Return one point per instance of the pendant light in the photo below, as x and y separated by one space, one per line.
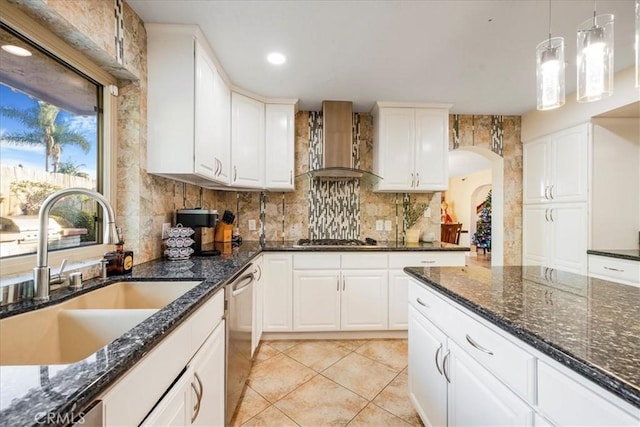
550 71
595 57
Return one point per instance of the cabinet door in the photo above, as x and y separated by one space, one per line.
536 235
247 142
398 299
173 409
204 127
222 129
569 164
277 293
207 383
535 167
477 398
316 300
396 150
431 150
569 237
365 300
258 295
427 385
279 146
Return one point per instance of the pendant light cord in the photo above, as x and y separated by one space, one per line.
594 13
549 23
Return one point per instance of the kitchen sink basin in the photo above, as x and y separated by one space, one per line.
73 330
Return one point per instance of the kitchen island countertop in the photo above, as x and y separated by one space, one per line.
591 326
629 254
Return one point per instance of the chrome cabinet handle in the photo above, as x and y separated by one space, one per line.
613 269
421 302
338 284
551 215
413 180
551 192
344 283
417 179
444 366
290 177
199 394
546 214
220 167
437 353
427 261
546 192
259 271
235 173
478 346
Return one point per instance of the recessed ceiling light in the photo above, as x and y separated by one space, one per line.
15 50
276 58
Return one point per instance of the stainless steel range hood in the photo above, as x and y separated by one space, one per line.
337 143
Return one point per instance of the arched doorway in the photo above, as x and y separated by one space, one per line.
497 185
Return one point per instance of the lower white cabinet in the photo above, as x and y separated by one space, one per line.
316 300
398 297
180 382
277 292
618 270
364 300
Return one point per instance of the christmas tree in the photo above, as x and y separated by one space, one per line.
482 236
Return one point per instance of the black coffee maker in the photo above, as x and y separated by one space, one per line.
198 219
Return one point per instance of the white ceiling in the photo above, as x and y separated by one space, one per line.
478 55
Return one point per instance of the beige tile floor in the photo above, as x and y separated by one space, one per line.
328 383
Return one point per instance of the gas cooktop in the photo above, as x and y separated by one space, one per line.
305 243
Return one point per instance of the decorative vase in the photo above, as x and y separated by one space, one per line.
413 236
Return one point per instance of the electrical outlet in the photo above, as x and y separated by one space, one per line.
427 212
379 225
252 225
165 229
387 225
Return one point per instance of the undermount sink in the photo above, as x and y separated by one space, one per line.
73 330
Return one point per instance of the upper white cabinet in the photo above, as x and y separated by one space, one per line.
279 146
247 142
411 147
188 113
556 167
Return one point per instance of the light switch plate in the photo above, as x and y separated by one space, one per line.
252 225
379 225
387 225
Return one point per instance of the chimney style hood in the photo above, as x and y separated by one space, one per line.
337 143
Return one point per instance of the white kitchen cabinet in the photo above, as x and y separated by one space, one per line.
207 390
618 270
427 387
555 167
411 147
477 398
398 297
277 292
316 300
247 142
555 235
258 303
187 118
364 300
279 146
173 410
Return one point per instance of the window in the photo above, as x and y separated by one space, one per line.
50 138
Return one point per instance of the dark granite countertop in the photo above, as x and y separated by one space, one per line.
393 246
630 254
587 324
28 392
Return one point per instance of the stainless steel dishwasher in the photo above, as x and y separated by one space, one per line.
239 315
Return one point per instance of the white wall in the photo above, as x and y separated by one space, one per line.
615 184
459 196
538 123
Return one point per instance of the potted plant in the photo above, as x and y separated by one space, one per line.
412 212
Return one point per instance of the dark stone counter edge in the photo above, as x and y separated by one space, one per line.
614 255
595 373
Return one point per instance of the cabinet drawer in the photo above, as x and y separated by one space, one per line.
614 269
507 361
364 260
425 259
205 319
428 303
316 261
567 401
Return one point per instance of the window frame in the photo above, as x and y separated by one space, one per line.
32 30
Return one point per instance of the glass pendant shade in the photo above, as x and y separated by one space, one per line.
595 58
550 73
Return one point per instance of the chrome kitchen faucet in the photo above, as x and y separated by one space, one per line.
42 272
